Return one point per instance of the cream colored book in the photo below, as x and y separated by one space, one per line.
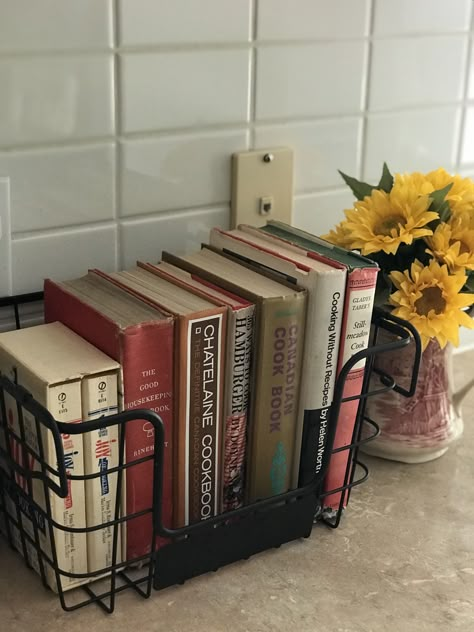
101 453
50 362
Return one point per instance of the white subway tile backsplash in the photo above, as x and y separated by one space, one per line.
184 89
320 212
467 154
311 19
175 172
418 140
55 98
401 17
5 238
55 25
180 233
320 149
406 71
61 256
151 22
309 80
118 118
48 186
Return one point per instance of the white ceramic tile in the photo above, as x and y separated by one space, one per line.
55 24
61 256
407 141
320 212
320 149
184 89
470 94
5 233
55 98
60 187
467 155
309 80
152 22
420 16
406 71
311 19
179 233
161 174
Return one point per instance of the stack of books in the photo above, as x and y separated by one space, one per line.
237 347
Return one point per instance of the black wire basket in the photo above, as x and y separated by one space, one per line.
191 550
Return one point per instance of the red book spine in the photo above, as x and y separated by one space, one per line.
354 337
145 352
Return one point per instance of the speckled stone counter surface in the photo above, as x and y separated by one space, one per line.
401 561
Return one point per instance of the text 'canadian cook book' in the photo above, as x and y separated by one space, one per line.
325 284
280 319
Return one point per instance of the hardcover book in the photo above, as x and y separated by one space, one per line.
199 365
240 328
280 320
325 283
141 338
359 301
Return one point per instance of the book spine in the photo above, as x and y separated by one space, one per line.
355 337
64 403
322 340
279 349
201 437
239 354
101 453
145 352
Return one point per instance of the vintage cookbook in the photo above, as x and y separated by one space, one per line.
101 454
325 284
240 329
141 338
199 373
280 320
51 362
359 301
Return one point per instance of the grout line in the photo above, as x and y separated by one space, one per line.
142 218
362 153
210 46
465 100
253 74
118 126
62 230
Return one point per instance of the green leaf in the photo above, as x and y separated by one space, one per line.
438 202
358 188
469 286
386 181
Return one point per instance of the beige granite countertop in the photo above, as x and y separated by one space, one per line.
401 561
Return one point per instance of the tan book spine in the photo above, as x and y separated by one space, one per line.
101 453
274 405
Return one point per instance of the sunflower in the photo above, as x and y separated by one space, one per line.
340 236
453 243
460 196
383 221
429 297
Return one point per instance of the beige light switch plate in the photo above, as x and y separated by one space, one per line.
262 186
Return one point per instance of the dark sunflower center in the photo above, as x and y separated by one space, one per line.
463 248
385 226
431 298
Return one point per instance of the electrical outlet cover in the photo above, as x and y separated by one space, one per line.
264 173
